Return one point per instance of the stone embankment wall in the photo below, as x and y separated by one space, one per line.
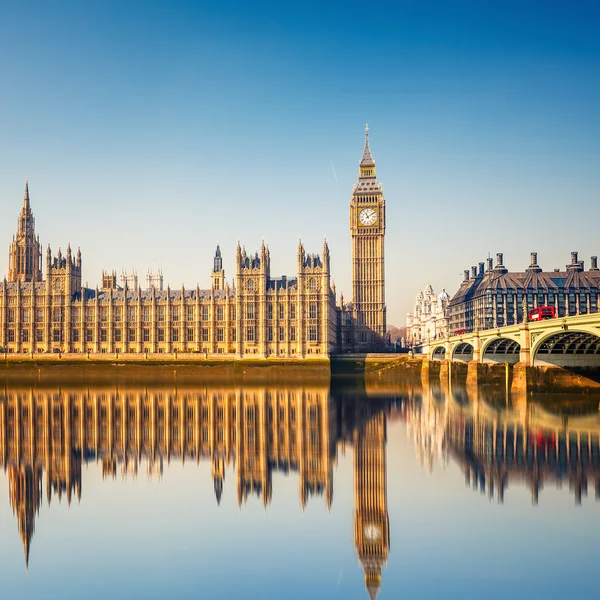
158 368
517 378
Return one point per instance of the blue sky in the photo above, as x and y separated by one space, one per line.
152 131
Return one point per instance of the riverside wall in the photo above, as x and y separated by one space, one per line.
518 378
155 368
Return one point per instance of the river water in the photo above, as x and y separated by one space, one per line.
298 490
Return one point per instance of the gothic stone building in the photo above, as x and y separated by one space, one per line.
257 316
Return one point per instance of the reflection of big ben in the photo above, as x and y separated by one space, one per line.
367 225
371 523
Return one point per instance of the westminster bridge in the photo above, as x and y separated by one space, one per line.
562 342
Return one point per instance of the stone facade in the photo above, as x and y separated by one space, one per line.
491 296
255 316
362 322
428 321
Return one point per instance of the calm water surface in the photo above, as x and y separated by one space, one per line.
297 491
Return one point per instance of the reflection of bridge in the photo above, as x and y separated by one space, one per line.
524 444
568 341
257 430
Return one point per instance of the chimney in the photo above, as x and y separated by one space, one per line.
533 265
490 264
481 265
500 268
575 264
474 272
594 261
466 275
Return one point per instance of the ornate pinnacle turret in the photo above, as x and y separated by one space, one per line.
26 204
218 261
367 159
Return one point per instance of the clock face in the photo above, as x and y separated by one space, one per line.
367 216
372 532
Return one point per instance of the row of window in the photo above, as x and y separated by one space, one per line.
58 313
161 335
251 413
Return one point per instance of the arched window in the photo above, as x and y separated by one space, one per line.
250 286
313 284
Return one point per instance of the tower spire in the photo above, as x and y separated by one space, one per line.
26 204
25 256
367 160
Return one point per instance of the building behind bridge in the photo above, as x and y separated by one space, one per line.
429 320
492 296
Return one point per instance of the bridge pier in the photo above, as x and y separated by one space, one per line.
476 347
445 370
473 372
430 368
493 373
519 379
525 342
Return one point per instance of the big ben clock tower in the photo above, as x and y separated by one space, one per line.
367 226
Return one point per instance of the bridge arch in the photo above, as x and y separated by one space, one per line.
567 348
501 350
439 353
463 352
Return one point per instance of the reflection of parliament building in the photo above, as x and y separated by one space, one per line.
524 445
256 316
45 433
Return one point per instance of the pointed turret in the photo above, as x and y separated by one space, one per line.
218 274
26 204
218 261
367 163
25 254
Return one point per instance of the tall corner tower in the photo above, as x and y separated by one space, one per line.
218 273
367 226
25 255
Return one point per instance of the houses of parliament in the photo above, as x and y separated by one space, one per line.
256 316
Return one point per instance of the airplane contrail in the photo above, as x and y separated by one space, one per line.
340 577
333 171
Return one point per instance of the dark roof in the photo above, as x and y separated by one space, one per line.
145 295
281 284
528 281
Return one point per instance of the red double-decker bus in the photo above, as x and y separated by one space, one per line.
541 312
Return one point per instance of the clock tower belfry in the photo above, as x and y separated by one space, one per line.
367 226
